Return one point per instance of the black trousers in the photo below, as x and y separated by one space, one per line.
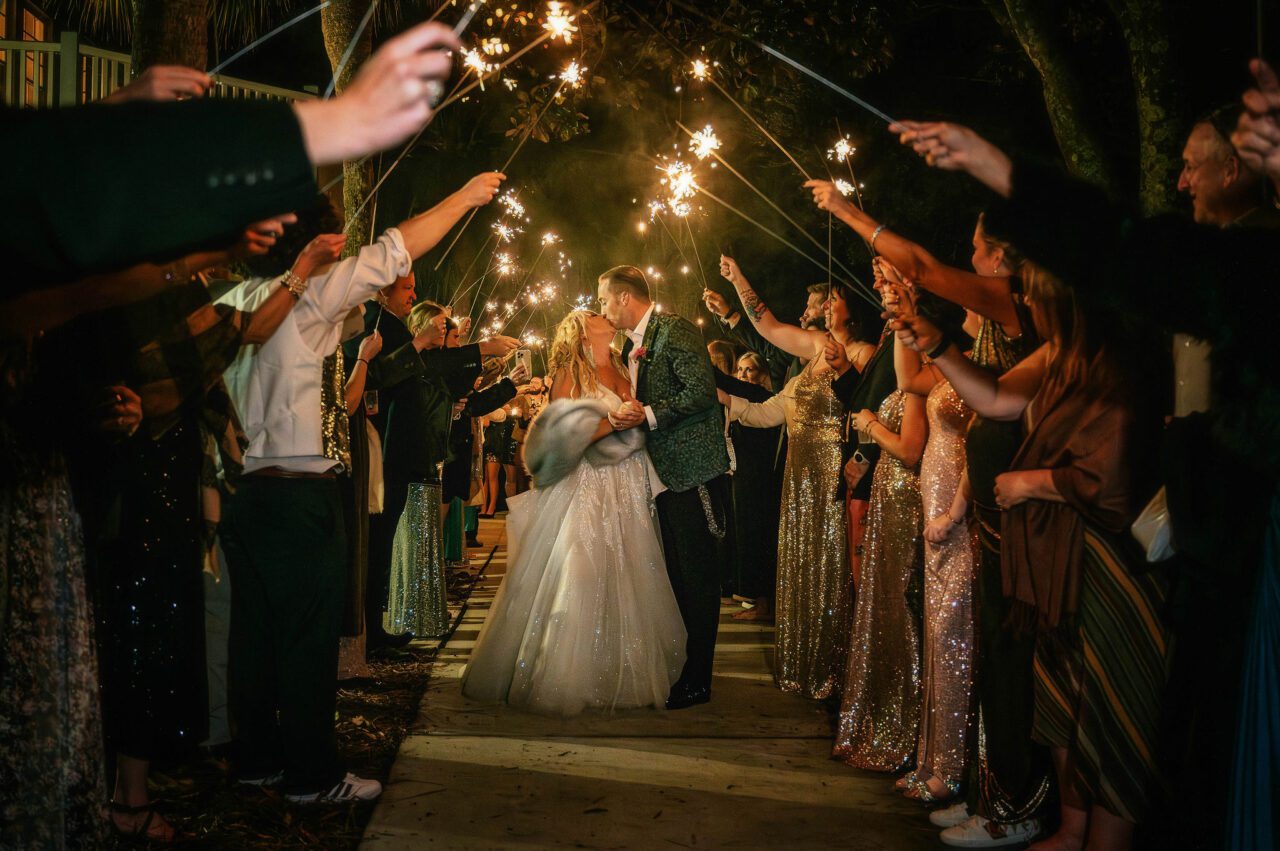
693 563
285 546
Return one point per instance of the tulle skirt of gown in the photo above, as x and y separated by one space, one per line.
585 618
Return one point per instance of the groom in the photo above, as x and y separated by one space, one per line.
674 385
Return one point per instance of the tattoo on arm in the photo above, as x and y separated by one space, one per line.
753 304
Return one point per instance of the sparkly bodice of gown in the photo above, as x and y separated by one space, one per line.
880 709
585 617
813 592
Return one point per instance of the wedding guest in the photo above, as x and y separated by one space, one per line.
782 366
756 488
283 534
949 571
406 381
813 589
1101 645
499 459
880 704
723 356
1008 781
1218 518
352 662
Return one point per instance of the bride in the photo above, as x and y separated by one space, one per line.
585 617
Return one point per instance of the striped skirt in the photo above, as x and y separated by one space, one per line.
1099 683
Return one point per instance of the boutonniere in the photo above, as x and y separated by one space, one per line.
640 353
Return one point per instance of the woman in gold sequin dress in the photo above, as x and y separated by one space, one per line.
949 572
813 598
880 711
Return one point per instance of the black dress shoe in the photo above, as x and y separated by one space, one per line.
474 543
387 641
682 697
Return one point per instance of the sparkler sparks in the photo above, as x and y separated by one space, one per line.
559 22
505 265
700 69
842 150
704 143
845 187
583 302
549 238
512 203
532 340
572 75
656 208
473 60
504 232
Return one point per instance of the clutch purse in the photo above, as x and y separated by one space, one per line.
1154 530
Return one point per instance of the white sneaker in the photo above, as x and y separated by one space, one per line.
350 788
977 832
950 816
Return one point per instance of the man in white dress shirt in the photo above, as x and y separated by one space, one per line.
283 532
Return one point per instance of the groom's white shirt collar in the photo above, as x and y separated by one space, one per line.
636 335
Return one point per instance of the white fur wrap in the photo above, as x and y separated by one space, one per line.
560 439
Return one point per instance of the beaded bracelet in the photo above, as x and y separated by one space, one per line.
294 284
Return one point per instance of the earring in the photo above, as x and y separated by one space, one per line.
996 270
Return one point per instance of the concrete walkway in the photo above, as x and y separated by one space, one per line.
751 769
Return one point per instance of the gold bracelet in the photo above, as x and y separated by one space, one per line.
294 284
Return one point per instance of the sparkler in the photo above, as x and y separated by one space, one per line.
549 238
700 69
572 75
704 143
511 202
559 22
860 290
504 232
722 161
845 187
275 32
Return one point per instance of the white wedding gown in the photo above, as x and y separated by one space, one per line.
585 617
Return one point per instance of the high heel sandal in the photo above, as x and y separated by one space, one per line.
164 832
906 781
919 791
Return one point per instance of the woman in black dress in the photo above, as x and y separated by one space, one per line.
499 457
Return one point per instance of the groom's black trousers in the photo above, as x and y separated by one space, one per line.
693 565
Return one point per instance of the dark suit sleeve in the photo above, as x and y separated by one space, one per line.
741 389
452 363
98 188
490 398
693 371
746 335
386 371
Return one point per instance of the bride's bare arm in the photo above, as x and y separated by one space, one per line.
563 387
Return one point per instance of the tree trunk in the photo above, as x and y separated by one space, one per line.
1031 22
338 22
170 32
1147 34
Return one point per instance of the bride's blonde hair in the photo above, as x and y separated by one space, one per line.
569 352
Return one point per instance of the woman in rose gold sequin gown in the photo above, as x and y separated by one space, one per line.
880 710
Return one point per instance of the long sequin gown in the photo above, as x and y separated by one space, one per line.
948 597
814 585
880 712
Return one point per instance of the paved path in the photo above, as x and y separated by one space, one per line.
748 770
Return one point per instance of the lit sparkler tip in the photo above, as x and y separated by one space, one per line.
559 22
704 143
700 69
549 238
844 186
572 75
842 150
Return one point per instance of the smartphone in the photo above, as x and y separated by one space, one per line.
525 358
371 403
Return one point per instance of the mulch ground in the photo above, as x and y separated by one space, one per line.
201 800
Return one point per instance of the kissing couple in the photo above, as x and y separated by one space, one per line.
607 602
